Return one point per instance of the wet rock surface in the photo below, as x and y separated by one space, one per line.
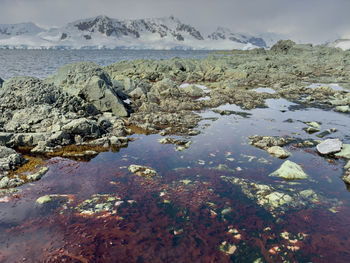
329 146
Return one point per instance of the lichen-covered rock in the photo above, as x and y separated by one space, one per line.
90 82
278 152
142 170
345 152
290 171
329 146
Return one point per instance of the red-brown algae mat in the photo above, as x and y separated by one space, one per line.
206 203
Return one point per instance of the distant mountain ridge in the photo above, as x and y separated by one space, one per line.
102 32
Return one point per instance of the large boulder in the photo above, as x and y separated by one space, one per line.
89 82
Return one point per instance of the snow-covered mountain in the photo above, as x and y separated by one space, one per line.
344 44
102 32
226 34
10 30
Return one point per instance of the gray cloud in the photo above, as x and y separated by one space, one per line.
303 20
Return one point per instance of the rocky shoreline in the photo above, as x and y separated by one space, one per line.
85 109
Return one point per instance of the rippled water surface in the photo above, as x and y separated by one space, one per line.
42 63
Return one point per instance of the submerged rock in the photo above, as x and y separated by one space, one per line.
276 199
43 199
142 170
278 152
329 146
290 171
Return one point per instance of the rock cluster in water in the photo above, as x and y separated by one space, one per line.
90 106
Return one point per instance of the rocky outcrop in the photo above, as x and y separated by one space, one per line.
91 83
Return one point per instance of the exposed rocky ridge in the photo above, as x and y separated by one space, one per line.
83 103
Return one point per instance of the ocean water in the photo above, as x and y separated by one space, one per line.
201 207
43 63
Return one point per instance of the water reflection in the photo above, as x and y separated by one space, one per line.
204 205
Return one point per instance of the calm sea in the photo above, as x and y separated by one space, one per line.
42 63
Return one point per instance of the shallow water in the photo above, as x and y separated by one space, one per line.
188 211
43 63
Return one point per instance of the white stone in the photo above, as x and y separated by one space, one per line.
329 146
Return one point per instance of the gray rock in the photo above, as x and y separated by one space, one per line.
290 171
329 146
88 81
83 127
9 160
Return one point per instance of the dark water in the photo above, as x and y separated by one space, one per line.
187 211
42 63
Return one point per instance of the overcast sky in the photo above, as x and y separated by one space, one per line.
303 20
